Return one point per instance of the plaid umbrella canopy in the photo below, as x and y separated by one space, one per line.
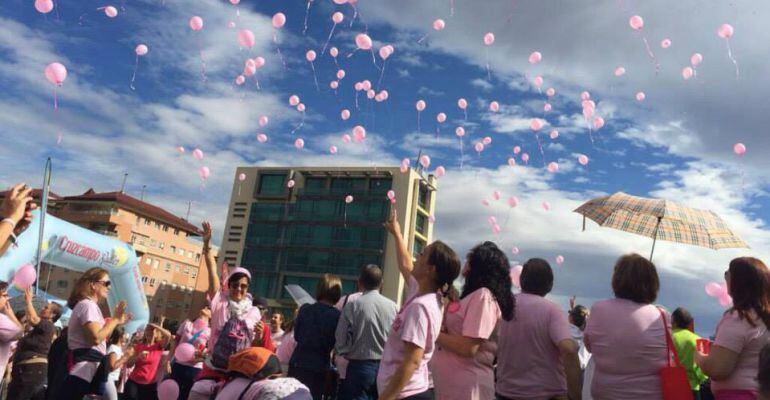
660 219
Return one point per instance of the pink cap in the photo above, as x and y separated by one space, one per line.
240 270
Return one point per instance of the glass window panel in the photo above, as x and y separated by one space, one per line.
315 185
271 184
379 185
421 224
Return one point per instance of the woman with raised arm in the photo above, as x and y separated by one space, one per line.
403 370
146 361
87 335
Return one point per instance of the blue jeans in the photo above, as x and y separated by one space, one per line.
360 380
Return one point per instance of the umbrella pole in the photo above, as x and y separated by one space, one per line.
655 238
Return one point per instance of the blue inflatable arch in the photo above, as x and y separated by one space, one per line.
70 246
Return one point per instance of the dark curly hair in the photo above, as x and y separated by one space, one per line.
489 268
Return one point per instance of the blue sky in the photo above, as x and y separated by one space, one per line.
677 144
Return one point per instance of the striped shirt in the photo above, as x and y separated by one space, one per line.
364 325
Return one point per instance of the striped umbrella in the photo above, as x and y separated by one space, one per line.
661 219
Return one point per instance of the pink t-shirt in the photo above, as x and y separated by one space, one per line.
220 314
529 365
419 323
737 335
464 378
186 332
85 311
9 332
628 344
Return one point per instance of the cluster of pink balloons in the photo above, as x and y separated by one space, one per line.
720 292
25 276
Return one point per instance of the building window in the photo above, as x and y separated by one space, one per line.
186 270
162 245
152 282
181 252
138 219
155 264
315 185
189 254
271 184
197 257
176 232
133 239
176 268
153 243
165 228
421 224
418 246
148 261
194 274
141 240
168 267
164 282
173 249
157 225
144 279
424 198
147 222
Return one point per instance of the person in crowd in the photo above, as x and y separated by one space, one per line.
685 343
10 328
276 328
403 372
733 359
536 357
16 214
29 376
87 335
197 334
146 361
627 335
462 365
233 317
339 361
255 374
264 333
117 358
361 334
288 344
578 318
314 332
763 375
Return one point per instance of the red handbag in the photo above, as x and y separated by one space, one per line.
673 377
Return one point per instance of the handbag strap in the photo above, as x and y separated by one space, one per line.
669 342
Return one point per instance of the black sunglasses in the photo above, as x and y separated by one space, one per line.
235 285
105 283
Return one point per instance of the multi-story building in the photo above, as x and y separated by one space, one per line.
291 225
173 270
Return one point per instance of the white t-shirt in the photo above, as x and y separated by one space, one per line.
114 375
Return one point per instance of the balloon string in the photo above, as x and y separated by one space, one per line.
540 147
489 71
374 60
278 49
301 124
357 100
307 12
133 77
239 189
334 25
461 153
422 39
651 54
335 63
382 74
59 134
451 8
465 114
730 54
418 121
203 61
507 216
438 127
256 82
315 78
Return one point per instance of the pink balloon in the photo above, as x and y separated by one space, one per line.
333 149
310 55
359 133
725 31
204 172
588 112
585 96
713 289
370 94
240 79
348 199
198 154
513 201
554 134
366 85
598 122
432 219
665 43
363 41
687 73
460 131
111 11
386 51
168 389
263 120
249 69
141 49
640 96
553 167
546 206
299 144
56 73
479 147
262 138
536 124
293 100
535 57
515 250
512 161
538 81
235 2
340 2
180 149
485 202
345 114
487 140
333 52
384 94
583 159
636 22
489 39
279 20
290 183
259 62
425 161
340 74
620 71
739 149
337 17
496 229
559 260
246 38
43 6
301 107
550 92
185 352
496 195
405 165
440 171
725 300
516 149
439 25
525 157
391 194
196 23
516 275
462 103
547 107
494 106
346 138
242 177
420 105
25 276
440 117
696 59
231 25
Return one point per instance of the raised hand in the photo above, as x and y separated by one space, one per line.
15 203
206 232
392 225
120 313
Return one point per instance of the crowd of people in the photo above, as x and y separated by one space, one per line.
480 342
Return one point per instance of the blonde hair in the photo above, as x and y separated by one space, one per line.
82 287
329 288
